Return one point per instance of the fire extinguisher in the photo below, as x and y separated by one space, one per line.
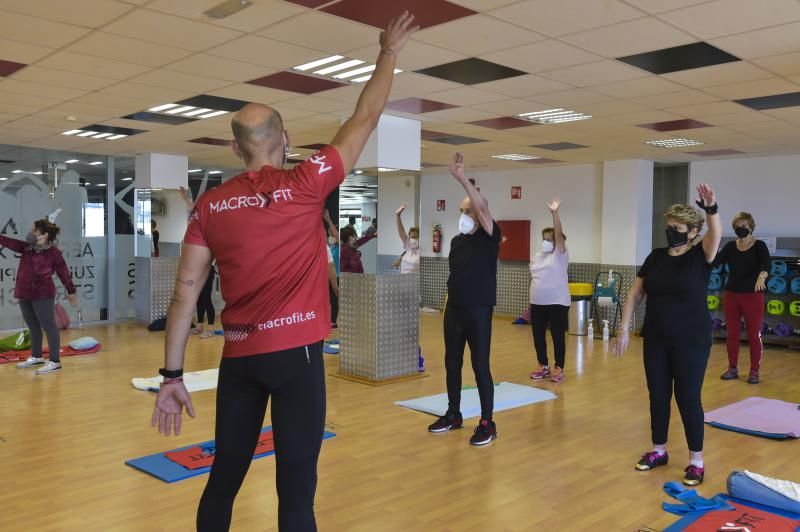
437 238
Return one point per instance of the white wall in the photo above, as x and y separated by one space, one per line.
627 233
580 189
393 191
172 227
766 187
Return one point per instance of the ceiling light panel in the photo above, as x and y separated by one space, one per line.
553 116
674 143
515 157
339 68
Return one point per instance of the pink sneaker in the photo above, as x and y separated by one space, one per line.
558 375
542 373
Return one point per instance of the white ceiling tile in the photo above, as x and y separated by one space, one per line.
659 6
86 113
410 84
18 27
631 37
465 96
266 52
676 99
522 86
180 81
762 43
87 13
117 103
570 97
257 16
349 94
73 80
744 117
21 52
609 109
460 114
486 34
783 65
317 104
560 17
708 109
510 107
483 5
313 30
638 87
87 64
415 56
725 74
646 117
254 93
52 90
149 95
543 55
599 73
120 48
753 89
726 17
171 31
219 68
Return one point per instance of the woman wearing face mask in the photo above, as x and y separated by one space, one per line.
471 290
333 249
350 257
748 260
36 291
550 298
409 260
677 327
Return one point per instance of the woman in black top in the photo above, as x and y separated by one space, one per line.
677 327
748 261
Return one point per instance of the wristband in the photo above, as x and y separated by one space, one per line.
170 373
713 209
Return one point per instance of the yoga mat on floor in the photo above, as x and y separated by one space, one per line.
506 396
745 514
194 381
331 349
19 356
757 416
161 467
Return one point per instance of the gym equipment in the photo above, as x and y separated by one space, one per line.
161 467
765 329
690 500
506 396
715 282
718 325
796 285
713 302
783 330
776 307
194 381
794 309
16 342
768 418
744 513
777 285
779 268
607 293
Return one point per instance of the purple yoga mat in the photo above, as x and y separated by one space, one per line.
759 414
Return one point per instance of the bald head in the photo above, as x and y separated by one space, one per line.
257 129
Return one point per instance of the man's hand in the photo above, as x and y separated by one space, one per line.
456 167
170 401
395 37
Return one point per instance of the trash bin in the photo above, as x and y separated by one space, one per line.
580 308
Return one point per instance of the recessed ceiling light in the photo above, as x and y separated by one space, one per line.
38 173
72 132
179 110
197 112
163 107
102 136
101 184
355 72
215 172
358 172
71 161
195 170
115 137
16 171
156 189
674 143
127 179
515 157
318 62
340 63
3 179
340 66
553 116
293 155
95 163
87 133
388 169
215 113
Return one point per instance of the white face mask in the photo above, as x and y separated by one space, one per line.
465 224
413 243
331 241
547 246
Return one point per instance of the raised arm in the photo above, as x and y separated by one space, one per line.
478 201
708 202
186 195
635 298
401 231
17 246
352 136
558 232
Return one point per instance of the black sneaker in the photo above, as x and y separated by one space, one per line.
447 422
485 432
694 475
652 460
753 378
730 374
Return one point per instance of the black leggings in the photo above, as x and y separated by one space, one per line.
473 325
41 314
556 317
295 380
334 303
684 368
204 304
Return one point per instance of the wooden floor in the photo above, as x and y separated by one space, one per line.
565 464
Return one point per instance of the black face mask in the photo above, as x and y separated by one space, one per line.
741 232
675 238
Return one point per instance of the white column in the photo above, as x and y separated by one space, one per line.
627 231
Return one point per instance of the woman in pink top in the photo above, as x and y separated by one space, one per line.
550 298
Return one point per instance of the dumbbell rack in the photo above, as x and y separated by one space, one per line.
770 321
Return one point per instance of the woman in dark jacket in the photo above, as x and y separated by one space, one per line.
36 292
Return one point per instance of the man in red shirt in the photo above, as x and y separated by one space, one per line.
263 229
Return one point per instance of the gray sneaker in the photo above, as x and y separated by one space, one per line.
30 362
49 367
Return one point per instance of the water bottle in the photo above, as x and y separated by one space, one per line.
590 330
606 332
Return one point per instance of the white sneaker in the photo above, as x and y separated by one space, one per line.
49 367
31 361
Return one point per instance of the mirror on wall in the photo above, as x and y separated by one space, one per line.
358 208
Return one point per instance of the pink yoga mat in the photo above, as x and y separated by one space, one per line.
759 414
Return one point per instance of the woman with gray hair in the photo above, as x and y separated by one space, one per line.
677 327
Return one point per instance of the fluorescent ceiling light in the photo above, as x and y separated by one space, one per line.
319 62
340 66
95 163
355 72
156 189
115 137
195 170
515 157
88 133
358 172
215 172
101 184
163 107
215 113
38 173
102 135
127 179
388 169
674 143
293 155
16 171
553 116
71 161
72 132
197 112
180 110
3 179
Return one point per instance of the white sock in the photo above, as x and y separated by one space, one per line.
660 449
696 459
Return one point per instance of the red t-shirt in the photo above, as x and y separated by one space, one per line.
264 230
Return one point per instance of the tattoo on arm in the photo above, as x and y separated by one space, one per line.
188 282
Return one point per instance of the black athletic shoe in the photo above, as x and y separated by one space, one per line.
694 475
485 432
730 374
753 378
447 422
652 460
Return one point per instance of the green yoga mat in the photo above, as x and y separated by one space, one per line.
19 341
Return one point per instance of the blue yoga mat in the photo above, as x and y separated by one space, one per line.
770 435
165 469
506 396
690 518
